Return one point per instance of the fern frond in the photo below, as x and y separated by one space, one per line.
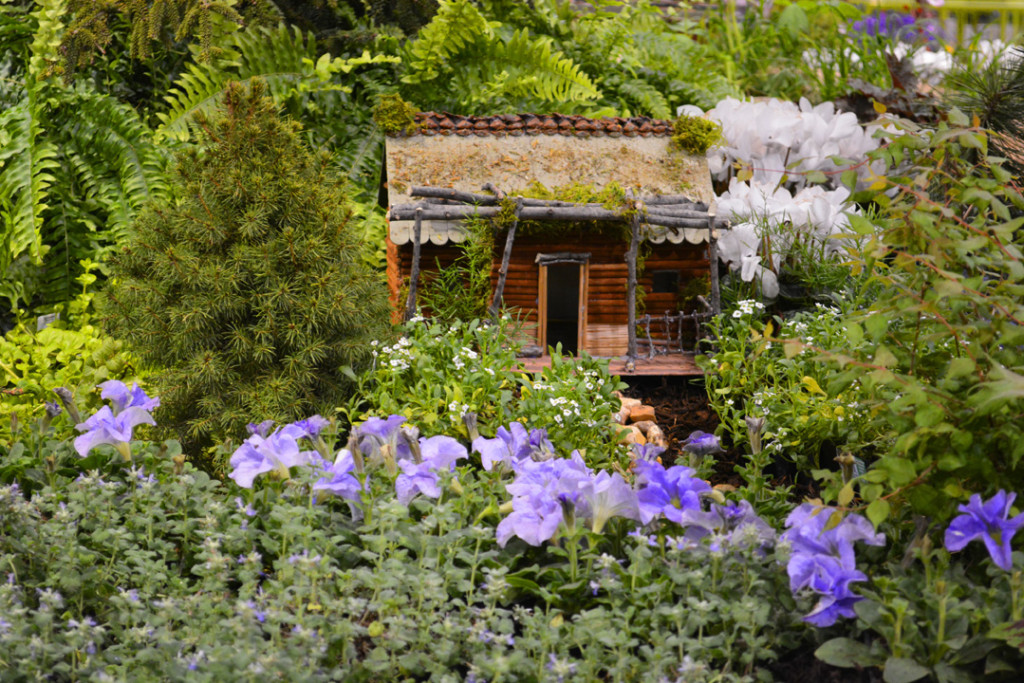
26 165
457 24
545 73
282 57
647 98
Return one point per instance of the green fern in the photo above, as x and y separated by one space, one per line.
646 98
283 58
457 25
487 68
26 165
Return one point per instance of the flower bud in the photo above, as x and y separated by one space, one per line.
470 420
69 403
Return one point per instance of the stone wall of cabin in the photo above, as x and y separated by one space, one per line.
606 332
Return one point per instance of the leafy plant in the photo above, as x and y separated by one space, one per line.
939 345
462 290
75 166
489 71
248 290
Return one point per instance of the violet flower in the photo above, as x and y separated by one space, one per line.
379 441
734 523
989 521
836 599
701 444
338 479
541 493
104 427
312 426
667 491
122 398
813 547
647 452
275 453
512 446
604 496
262 429
438 453
823 560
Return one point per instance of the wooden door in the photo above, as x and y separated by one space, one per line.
562 306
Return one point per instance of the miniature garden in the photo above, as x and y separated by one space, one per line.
229 452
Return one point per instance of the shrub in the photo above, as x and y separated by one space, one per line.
248 288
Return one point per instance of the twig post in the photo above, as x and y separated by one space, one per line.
499 291
414 274
716 301
631 255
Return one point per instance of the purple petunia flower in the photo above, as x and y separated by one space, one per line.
823 559
990 522
604 496
647 452
258 455
262 429
312 426
701 443
541 491
667 491
339 479
733 523
836 599
812 544
438 453
104 427
123 398
512 446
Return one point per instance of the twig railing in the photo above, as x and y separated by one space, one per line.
669 330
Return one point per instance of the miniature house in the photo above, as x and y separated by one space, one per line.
577 287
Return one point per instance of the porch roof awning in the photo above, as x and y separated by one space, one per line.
671 218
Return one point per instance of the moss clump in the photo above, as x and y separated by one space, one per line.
394 115
694 134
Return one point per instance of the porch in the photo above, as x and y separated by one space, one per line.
665 365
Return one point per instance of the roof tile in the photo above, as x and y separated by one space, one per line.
445 123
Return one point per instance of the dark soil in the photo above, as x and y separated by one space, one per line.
681 407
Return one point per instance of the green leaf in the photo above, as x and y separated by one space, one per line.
902 670
854 333
929 415
958 367
878 511
958 118
845 494
816 177
846 653
876 324
901 471
794 20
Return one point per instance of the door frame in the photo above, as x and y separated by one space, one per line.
562 258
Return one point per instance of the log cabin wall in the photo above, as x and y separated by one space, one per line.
605 330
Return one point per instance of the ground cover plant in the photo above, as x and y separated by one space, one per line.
439 514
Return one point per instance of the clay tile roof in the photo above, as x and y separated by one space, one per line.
445 123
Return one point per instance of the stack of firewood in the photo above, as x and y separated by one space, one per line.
638 422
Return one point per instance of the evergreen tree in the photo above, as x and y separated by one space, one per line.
246 292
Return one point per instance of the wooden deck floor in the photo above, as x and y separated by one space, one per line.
675 365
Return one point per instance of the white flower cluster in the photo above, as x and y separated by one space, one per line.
780 141
779 138
747 307
456 411
397 357
463 358
812 213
